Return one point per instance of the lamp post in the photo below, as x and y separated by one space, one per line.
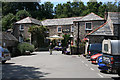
78 39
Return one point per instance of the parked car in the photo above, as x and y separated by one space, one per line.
101 66
5 55
94 49
94 58
111 49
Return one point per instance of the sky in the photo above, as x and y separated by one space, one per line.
55 2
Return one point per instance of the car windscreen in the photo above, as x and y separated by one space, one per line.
96 47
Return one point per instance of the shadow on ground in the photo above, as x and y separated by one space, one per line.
13 72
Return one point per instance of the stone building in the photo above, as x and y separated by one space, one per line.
21 27
60 26
87 24
109 30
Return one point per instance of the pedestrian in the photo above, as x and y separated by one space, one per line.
50 48
1 50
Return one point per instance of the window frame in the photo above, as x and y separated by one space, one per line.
72 28
86 27
20 39
58 29
20 27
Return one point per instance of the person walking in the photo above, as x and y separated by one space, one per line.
50 48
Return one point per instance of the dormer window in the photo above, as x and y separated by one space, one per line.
21 27
88 26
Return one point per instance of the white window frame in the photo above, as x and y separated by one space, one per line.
72 28
59 31
20 39
87 28
21 27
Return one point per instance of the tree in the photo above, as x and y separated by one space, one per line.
38 35
65 40
8 21
22 14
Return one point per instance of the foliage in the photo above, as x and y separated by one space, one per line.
22 14
8 21
38 34
22 47
46 11
65 40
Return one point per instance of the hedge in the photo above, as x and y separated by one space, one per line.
23 47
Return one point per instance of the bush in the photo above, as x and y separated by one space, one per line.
23 47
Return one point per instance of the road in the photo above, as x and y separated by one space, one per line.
42 65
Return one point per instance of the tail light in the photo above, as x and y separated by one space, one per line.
89 52
111 60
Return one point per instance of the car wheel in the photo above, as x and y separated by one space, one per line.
118 72
108 71
3 62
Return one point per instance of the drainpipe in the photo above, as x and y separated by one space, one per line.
78 39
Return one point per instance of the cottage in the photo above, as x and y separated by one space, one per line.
60 26
21 27
8 41
87 24
109 30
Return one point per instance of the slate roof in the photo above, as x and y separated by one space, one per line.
7 36
29 20
60 21
90 17
102 30
115 17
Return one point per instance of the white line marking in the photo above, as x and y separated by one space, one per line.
82 61
100 75
92 69
86 64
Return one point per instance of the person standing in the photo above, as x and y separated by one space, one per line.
50 48
1 50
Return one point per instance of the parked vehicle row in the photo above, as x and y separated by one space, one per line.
106 55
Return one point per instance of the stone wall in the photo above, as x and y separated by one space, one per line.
25 33
53 30
95 39
82 31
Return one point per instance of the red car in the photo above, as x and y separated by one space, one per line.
94 57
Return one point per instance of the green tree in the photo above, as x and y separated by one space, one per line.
38 35
8 21
22 14
65 40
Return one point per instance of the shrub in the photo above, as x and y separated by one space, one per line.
23 47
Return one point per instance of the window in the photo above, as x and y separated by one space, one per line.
21 27
72 28
20 39
59 29
88 26
106 47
